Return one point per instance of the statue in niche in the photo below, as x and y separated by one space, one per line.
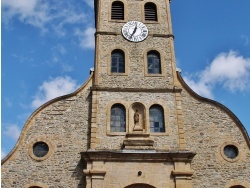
136 117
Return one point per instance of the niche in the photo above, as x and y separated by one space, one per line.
137 118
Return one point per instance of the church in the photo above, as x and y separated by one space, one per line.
135 123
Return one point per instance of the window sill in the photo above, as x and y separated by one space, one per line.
154 75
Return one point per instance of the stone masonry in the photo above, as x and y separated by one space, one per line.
85 153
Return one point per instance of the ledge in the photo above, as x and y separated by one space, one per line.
136 155
153 90
182 173
94 172
143 135
138 142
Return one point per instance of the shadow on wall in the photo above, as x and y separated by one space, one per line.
78 173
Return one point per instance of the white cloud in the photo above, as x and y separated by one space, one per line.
245 39
66 67
50 15
90 3
199 87
59 49
229 70
31 12
52 89
12 131
24 7
3 154
54 17
8 102
86 37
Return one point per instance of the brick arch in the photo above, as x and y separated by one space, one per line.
140 185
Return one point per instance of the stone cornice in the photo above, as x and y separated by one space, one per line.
153 90
137 155
119 33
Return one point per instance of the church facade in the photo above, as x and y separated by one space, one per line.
135 123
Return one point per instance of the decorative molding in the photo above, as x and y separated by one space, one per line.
155 90
137 155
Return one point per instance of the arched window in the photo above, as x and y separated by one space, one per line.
237 186
150 11
118 118
157 123
117 61
117 10
154 62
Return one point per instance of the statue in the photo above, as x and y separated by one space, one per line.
136 117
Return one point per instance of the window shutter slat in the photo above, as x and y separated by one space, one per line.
150 11
117 12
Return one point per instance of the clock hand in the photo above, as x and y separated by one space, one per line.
134 31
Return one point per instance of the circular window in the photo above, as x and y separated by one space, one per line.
231 151
40 149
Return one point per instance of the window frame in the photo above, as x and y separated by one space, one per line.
126 62
118 52
155 7
162 68
158 57
124 12
122 110
34 141
108 120
162 113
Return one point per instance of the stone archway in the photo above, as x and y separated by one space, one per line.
140 185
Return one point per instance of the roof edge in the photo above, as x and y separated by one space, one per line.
215 103
38 110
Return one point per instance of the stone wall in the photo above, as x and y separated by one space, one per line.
136 63
167 141
109 37
209 127
63 124
124 174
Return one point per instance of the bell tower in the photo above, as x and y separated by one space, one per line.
136 115
134 45
135 122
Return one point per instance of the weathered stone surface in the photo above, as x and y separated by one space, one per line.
83 152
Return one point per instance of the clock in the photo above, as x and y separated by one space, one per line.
135 31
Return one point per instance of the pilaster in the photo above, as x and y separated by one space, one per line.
181 131
94 129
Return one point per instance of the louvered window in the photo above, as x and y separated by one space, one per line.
117 12
150 12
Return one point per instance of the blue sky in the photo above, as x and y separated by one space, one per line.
48 49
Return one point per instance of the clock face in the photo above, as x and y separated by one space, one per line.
135 31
